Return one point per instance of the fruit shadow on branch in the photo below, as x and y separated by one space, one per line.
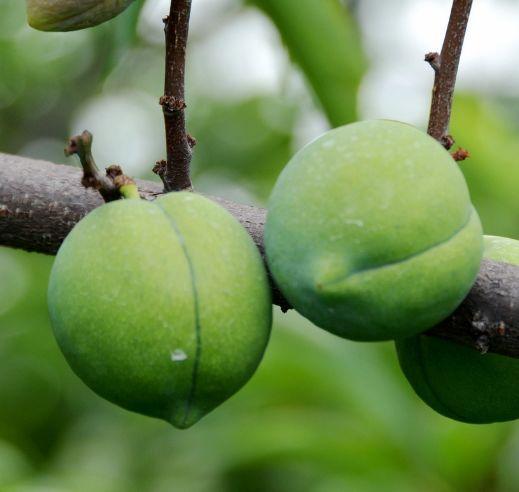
40 202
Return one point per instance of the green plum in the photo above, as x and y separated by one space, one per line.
71 15
161 307
457 381
502 249
371 233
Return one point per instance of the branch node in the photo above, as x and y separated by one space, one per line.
460 155
501 329
447 141
160 168
434 59
191 140
4 211
483 344
171 104
479 322
113 171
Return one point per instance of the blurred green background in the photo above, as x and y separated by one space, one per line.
264 77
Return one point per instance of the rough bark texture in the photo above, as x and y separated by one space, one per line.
40 202
488 319
446 66
175 173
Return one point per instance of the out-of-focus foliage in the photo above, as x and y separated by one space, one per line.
493 169
324 41
322 414
44 77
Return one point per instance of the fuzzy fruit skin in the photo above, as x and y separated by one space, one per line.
502 249
72 15
163 308
458 382
371 234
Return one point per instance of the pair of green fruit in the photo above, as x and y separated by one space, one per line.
372 236
164 308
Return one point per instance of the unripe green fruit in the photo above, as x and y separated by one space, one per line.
457 381
162 308
71 15
371 233
502 249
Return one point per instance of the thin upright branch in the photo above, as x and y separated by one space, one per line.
446 66
175 172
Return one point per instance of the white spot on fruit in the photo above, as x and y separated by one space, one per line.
178 355
356 222
329 144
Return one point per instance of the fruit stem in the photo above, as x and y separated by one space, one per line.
111 185
130 192
126 187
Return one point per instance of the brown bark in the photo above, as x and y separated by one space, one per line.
175 172
446 66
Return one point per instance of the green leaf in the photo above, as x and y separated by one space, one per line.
323 40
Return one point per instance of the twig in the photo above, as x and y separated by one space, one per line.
446 66
175 172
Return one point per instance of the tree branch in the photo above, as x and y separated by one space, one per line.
488 319
175 172
40 202
446 66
